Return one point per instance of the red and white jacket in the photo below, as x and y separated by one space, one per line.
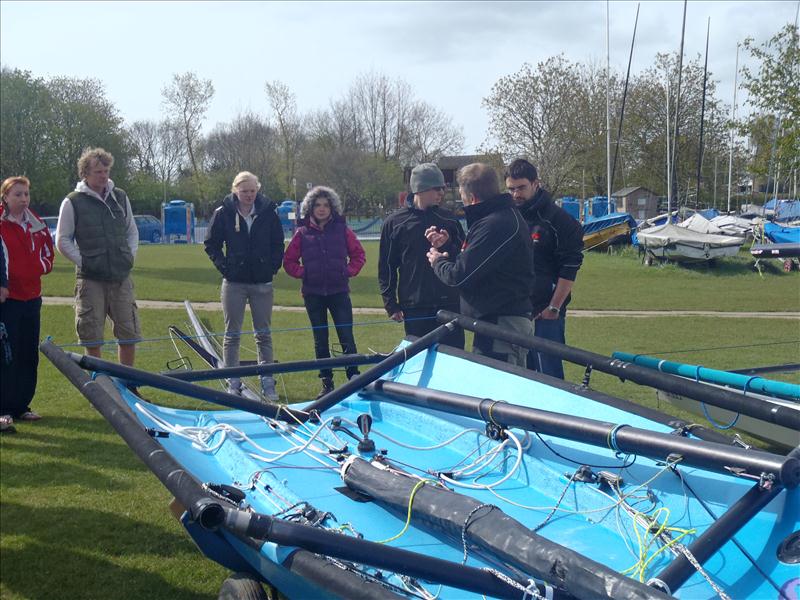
28 252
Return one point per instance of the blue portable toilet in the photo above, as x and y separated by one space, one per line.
287 213
573 207
179 221
597 206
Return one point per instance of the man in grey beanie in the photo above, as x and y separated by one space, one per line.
411 291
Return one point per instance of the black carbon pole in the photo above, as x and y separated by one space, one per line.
727 399
161 382
721 458
360 381
677 572
346 360
426 567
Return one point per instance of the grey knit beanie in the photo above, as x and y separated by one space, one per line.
425 177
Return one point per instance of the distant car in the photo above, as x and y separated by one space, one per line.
149 228
51 223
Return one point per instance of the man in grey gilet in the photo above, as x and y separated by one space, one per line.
97 232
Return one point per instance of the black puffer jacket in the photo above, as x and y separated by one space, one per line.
251 255
404 274
557 247
494 272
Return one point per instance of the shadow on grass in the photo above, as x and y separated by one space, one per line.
59 555
47 474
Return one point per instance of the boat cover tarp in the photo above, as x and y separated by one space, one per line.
782 235
730 223
787 210
709 213
668 234
698 222
598 223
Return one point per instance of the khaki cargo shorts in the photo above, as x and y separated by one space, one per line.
96 300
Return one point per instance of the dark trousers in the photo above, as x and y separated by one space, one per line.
419 321
341 310
546 363
18 377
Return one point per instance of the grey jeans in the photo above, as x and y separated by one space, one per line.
501 350
235 297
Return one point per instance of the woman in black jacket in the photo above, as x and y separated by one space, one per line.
249 230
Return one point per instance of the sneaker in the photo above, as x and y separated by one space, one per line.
7 424
235 387
29 415
268 388
327 387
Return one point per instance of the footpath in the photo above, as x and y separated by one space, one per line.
217 307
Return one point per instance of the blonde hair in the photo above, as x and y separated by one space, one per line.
7 184
91 156
241 178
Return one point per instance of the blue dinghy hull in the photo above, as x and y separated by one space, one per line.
620 517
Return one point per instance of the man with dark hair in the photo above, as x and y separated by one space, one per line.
494 271
557 256
411 292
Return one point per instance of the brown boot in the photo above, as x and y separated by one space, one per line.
327 387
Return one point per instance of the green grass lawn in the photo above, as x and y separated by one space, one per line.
606 281
81 517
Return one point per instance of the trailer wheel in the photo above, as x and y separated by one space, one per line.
243 586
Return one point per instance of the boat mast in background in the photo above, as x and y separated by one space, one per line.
702 117
678 110
733 121
669 171
622 111
608 108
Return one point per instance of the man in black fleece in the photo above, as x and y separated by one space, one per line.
494 271
411 292
557 256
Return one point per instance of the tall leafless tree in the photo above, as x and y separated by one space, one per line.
187 99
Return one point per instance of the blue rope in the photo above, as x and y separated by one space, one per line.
240 333
714 423
612 439
748 382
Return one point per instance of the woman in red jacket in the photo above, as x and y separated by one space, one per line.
28 254
325 254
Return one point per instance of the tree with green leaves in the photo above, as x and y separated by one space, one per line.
45 124
774 88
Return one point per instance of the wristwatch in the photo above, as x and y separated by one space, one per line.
554 309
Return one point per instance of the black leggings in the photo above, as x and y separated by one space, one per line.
341 310
21 319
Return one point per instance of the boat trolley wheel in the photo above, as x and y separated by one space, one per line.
243 586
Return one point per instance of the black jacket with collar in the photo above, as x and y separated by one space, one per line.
557 246
494 272
404 274
251 254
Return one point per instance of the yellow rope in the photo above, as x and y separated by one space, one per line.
640 567
408 517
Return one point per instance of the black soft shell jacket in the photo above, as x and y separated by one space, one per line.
494 272
251 255
404 274
557 247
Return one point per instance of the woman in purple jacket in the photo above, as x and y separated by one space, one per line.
325 254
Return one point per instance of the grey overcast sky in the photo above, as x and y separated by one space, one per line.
450 52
